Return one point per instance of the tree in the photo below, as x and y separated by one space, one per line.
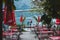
11 2
37 19
45 18
51 7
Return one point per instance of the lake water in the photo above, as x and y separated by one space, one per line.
23 5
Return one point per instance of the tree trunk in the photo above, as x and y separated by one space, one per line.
1 19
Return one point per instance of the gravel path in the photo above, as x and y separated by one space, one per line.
28 36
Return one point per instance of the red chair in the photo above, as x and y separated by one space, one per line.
45 29
4 34
7 34
58 32
54 37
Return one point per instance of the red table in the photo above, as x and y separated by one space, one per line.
58 32
7 33
14 30
46 32
44 29
55 38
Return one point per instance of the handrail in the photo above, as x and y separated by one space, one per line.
26 10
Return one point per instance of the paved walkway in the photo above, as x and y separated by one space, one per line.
28 36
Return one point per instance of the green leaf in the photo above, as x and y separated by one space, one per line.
16 0
14 7
3 1
35 18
